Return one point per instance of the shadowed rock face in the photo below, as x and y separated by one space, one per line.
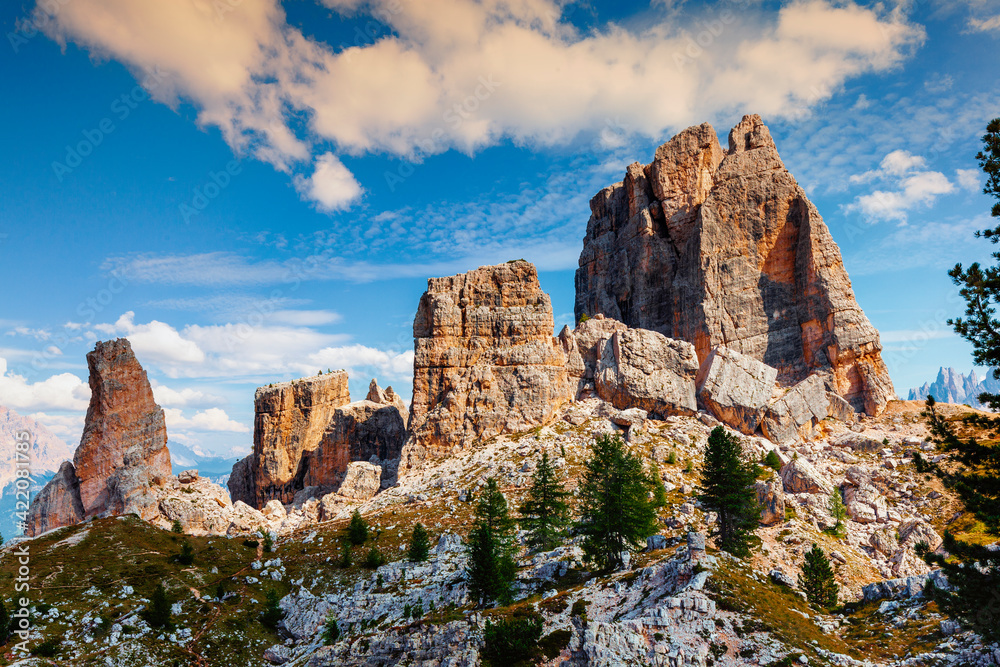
723 248
58 504
486 361
290 419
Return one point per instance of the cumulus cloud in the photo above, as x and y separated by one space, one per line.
64 391
185 397
155 341
969 179
68 427
212 419
288 344
989 24
911 186
332 187
463 74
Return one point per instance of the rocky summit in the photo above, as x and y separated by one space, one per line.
721 247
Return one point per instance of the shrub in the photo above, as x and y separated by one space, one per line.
672 458
250 544
272 610
268 542
345 560
47 648
772 461
357 530
511 640
176 527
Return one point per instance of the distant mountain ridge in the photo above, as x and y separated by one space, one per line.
954 387
48 452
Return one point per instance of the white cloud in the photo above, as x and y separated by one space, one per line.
212 419
465 74
969 179
913 187
989 24
254 351
64 391
331 185
186 397
68 427
155 341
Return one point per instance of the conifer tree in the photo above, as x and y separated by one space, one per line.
157 614
727 488
615 514
491 568
420 545
272 610
545 512
331 631
817 580
659 491
837 510
973 571
357 530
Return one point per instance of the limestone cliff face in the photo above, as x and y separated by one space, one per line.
289 420
122 457
486 360
723 248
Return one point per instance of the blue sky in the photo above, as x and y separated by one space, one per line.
253 190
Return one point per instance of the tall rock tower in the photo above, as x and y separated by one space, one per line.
722 247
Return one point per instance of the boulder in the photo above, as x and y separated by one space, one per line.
797 411
735 388
630 417
201 507
723 248
913 531
361 481
647 370
858 442
771 499
799 476
865 504
244 519
485 361
884 541
187 476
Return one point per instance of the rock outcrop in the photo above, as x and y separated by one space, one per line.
307 434
486 361
122 457
723 248
289 420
